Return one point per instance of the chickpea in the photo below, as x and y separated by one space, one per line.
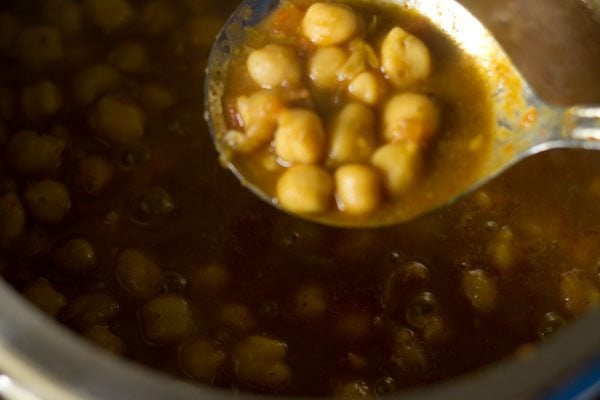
201 359
324 66
12 218
357 189
408 354
9 28
405 59
94 174
410 117
399 164
29 153
208 281
300 137
48 201
64 14
91 309
75 255
156 97
103 337
357 390
41 100
274 66
95 81
237 317
7 104
138 274
128 57
259 113
503 251
577 293
480 289
305 189
327 24
353 326
118 119
366 87
260 362
39 46
352 135
109 15
43 295
158 17
310 301
166 319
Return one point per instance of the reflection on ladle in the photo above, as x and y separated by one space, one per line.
524 124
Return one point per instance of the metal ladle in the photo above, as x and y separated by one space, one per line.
525 125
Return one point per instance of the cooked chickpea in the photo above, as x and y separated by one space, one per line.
274 66
41 100
109 15
236 317
158 17
259 113
128 57
74 255
324 66
353 326
156 97
208 281
305 189
260 362
167 319
12 218
357 390
408 354
39 46
48 201
503 251
405 59
202 359
310 301
352 135
91 309
43 295
327 24
480 289
577 293
137 273
357 189
410 117
95 81
103 337
30 153
94 174
367 87
399 164
9 28
300 137
118 119
64 14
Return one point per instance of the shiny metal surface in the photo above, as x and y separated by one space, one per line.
525 124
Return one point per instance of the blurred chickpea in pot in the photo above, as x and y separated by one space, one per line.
66 15
305 189
202 30
12 218
9 29
300 137
137 273
324 67
353 326
74 255
129 57
274 66
202 359
91 309
95 81
405 59
236 317
156 97
480 289
310 301
399 164
94 174
48 201
29 153
208 281
167 319
327 24
356 390
352 136
503 251
118 119
41 100
578 293
40 46
158 17
410 117
260 362
109 15
357 189
43 295
408 355
103 337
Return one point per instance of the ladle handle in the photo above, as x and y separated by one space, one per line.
582 124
